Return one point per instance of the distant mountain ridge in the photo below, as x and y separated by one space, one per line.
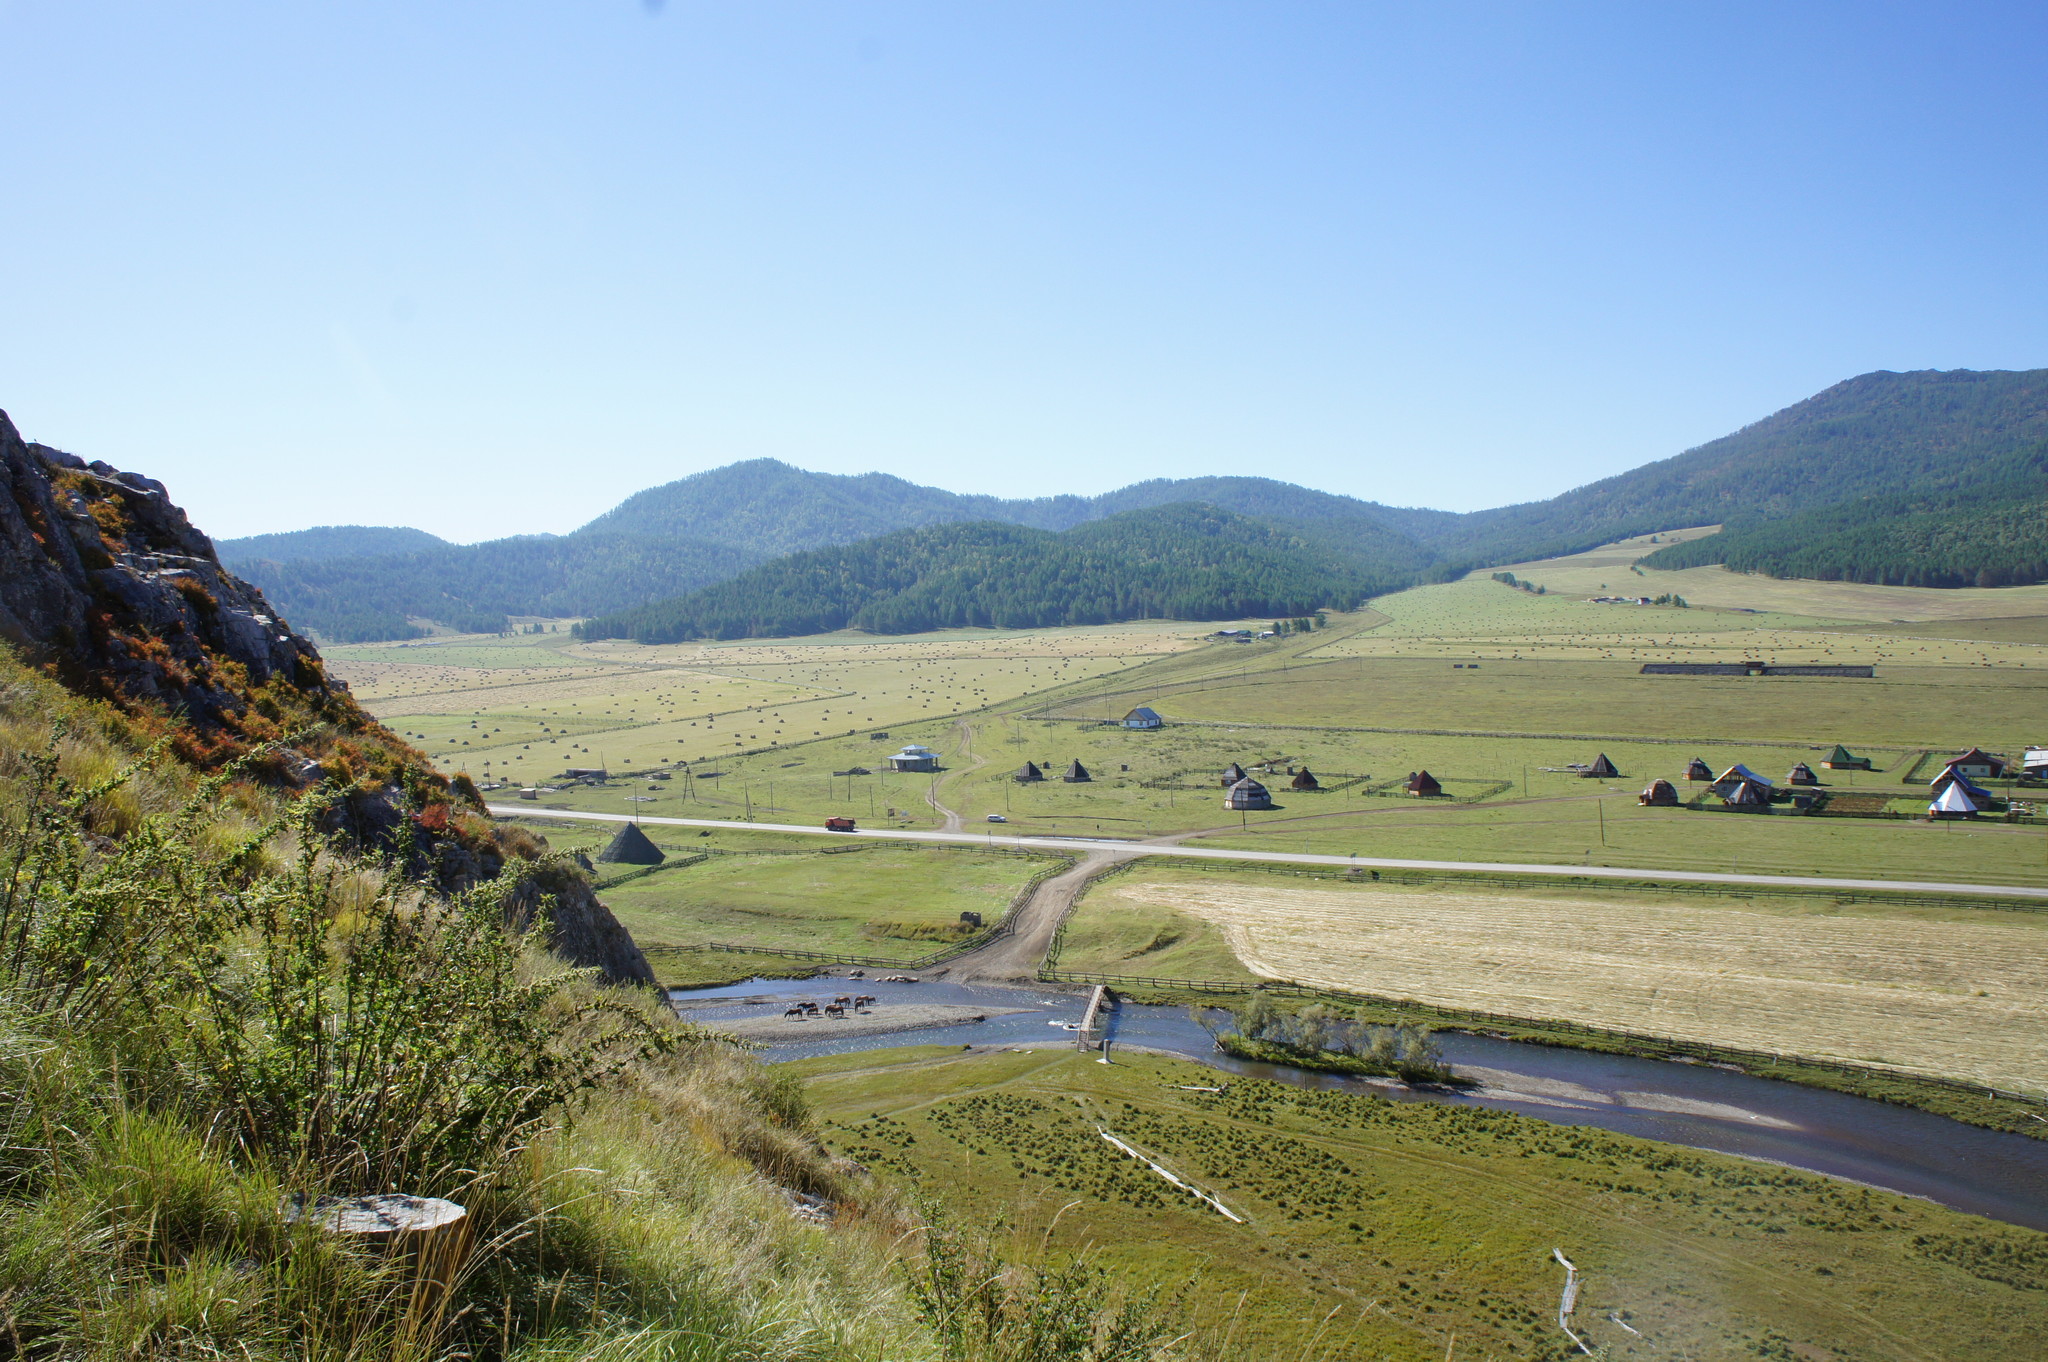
327 541
1961 447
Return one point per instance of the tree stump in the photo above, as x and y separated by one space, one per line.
431 1234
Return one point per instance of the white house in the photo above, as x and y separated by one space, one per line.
1143 717
915 758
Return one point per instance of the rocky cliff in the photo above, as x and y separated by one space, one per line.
106 586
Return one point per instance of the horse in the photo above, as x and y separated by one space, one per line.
843 1000
793 1010
834 1010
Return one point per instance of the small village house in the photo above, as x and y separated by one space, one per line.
1801 774
2035 762
1077 774
1661 794
1423 785
1725 783
1753 796
915 758
1977 764
1232 774
1950 776
1699 770
1841 759
1028 774
1143 717
1601 767
1247 794
1304 779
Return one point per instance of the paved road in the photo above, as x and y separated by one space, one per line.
1117 848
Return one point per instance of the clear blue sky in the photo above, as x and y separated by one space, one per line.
486 268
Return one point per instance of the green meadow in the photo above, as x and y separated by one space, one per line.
1405 1230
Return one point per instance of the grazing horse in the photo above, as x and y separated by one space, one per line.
843 1000
810 1007
793 1010
834 1010
864 1000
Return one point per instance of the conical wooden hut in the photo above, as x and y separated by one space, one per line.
1232 774
1028 774
1801 774
1662 794
1953 802
1423 785
1601 768
1247 794
1077 774
1699 770
1305 779
629 846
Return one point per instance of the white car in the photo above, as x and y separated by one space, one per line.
997 818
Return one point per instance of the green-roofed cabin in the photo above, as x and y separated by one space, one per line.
1841 759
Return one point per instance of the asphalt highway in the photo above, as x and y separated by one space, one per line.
1120 847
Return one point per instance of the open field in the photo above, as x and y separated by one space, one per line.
888 901
1949 992
1605 570
1379 1229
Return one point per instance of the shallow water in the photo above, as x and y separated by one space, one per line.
1986 1172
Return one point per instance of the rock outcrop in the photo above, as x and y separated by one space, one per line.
106 585
580 928
104 582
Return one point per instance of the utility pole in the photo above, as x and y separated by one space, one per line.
1602 806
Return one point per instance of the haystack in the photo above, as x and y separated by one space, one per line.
629 846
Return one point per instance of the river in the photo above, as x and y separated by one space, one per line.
1986 1172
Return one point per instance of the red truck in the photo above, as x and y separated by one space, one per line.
839 825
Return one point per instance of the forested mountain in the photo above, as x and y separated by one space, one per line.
1928 432
1996 535
327 541
1923 477
1188 562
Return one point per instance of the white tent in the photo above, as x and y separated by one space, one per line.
1953 802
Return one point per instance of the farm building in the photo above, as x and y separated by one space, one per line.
915 758
1143 717
1736 775
1232 774
1841 759
629 846
1028 774
1305 779
1754 795
1423 785
1698 770
1077 774
1977 764
2035 762
1601 767
1953 802
1247 794
1661 794
1801 774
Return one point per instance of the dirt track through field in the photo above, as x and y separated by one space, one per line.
1954 998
